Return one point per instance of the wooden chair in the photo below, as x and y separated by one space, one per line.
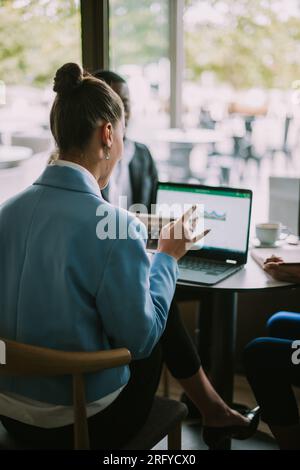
26 360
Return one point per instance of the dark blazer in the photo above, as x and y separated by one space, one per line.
143 177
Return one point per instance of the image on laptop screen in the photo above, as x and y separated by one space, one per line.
225 211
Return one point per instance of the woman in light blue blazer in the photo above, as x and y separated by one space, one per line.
75 275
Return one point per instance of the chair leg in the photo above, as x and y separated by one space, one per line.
166 384
174 438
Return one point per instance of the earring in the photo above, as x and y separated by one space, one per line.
107 156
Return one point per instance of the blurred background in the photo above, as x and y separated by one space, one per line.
237 69
215 90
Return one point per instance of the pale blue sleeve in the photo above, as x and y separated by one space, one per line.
135 294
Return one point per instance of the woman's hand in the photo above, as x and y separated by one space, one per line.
176 238
282 272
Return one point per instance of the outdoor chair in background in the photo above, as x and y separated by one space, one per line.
284 148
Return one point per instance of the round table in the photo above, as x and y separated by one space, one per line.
182 142
221 311
11 156
190 136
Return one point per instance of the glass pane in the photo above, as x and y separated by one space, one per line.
242 60
36 37
139 51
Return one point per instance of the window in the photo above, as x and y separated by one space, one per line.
139 51
239 113
241 62
37 37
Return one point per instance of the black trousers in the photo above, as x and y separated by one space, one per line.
271 371
120 421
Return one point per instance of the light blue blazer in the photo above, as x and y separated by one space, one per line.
62 287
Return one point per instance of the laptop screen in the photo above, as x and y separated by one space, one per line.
225 211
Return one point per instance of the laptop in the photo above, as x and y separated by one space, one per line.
227 212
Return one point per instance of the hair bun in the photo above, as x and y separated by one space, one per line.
68 78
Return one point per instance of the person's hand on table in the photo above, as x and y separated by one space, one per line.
282 272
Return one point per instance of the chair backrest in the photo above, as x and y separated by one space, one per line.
26 360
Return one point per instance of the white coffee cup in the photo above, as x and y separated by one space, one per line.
270 232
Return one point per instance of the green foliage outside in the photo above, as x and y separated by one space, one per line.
138 31
37 37
256 45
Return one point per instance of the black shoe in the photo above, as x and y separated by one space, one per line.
214 436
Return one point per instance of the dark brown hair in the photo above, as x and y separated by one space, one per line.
82 101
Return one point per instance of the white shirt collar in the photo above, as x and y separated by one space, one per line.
80 168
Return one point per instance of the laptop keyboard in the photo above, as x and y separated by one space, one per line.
208 267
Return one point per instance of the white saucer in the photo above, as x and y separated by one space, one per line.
257 244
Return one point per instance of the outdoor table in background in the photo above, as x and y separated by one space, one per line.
182 142
11 156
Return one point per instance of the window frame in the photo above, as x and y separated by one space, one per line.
95 46
95 34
